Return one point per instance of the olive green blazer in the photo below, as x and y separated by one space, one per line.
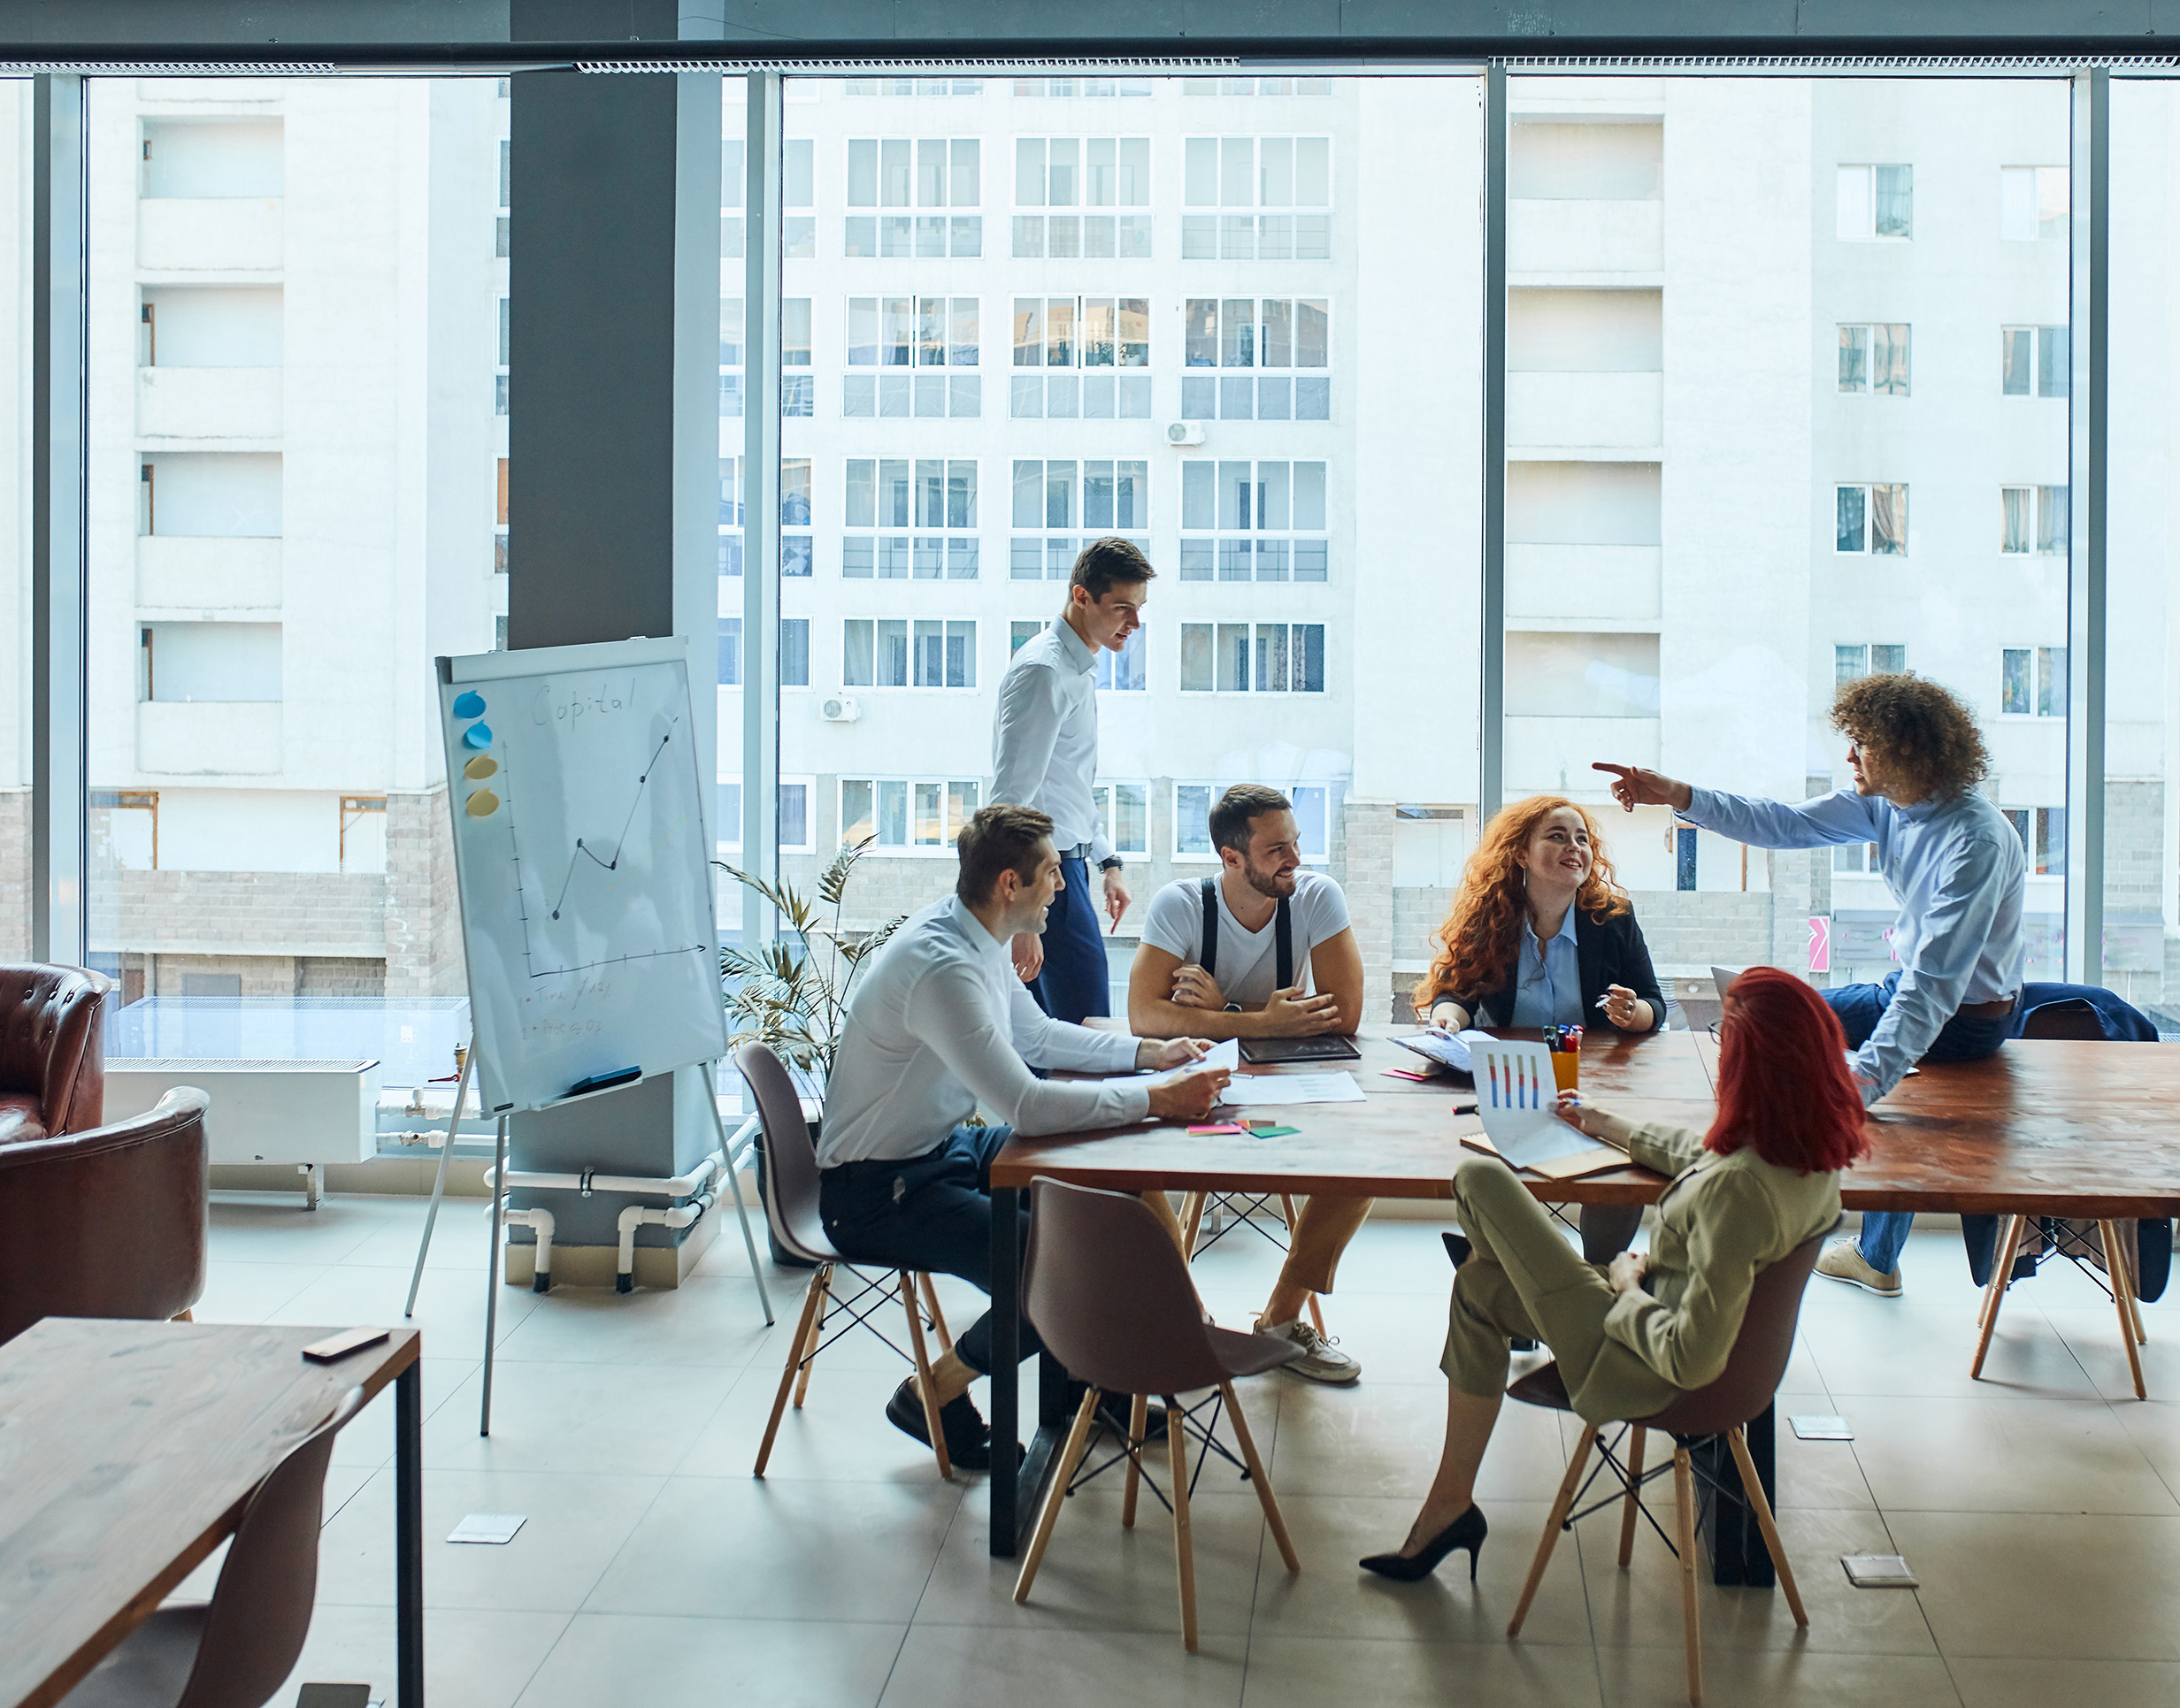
1722 1219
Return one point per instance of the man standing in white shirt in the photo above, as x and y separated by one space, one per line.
938 1024
1263 950
1958 871
1045 755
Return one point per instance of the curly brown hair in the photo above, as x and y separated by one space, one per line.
1925 735
1481 936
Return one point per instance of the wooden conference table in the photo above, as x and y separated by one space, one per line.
127 1453
2071 1128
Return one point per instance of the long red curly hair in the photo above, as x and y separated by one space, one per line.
1783 1082
1481 936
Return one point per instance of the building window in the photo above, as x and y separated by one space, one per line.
798 392
796 553
1876 202
903 653
1099 497
1859 857
897 512
2043 833
2032 521
794 652
1683 859
1253 521
2033 682
1191 814
794 827
1123 671
926 85
2032 362
2033 203
1256 85
926 175
363 833
733 180
730 358
1058 88
132 827
1124 810
1070 175
1022 631
1080 357
1874 358
1852 664
730 516
1872 519
1243 337
914 352
1259 658
798 189
1234 174
907 815
730 651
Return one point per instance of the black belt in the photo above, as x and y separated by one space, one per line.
1080 851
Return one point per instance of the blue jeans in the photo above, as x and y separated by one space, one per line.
1075 983
1965 1038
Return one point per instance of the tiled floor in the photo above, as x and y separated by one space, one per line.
2041 1508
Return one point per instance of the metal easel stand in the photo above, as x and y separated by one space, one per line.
439 1180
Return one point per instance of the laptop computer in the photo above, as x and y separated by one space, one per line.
1324 1047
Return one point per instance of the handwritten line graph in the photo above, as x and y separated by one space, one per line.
582 852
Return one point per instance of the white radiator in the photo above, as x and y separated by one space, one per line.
301 1112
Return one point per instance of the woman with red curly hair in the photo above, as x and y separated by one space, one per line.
1632 1335
1541 934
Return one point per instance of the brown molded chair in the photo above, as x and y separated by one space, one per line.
53 1052
109 1222
1724 1407
2114 1247
237 1648
1111 1298
791 1209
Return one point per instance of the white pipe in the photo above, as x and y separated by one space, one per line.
635 1215
541 1221
672 1186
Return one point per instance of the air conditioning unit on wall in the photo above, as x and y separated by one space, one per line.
1184 432
839 709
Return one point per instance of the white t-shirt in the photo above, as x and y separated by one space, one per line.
1248 961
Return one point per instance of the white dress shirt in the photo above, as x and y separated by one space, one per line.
1958 872
1045 738
938 1022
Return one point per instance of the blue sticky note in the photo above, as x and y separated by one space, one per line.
477 735
470 704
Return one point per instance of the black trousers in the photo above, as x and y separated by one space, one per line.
930 1211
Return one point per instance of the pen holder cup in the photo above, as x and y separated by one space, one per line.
1567 1070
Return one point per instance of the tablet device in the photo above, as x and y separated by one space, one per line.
1326 1047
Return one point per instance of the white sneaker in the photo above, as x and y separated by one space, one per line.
1843 1260
1321 1360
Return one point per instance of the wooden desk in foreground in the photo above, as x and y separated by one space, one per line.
128 1452
2072 1129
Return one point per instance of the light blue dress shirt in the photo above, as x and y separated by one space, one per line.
1548 991
1958 872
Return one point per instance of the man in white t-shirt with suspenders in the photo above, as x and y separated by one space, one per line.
1263 950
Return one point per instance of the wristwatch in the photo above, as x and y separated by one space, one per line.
1233 1008
1111 863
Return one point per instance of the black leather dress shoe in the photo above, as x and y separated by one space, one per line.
968 1437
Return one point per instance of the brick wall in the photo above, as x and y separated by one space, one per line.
14 874
422 931
227 914
1363 862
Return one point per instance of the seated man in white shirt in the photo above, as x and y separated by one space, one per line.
938 1024
1282 963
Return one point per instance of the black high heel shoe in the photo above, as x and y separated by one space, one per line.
1467 1531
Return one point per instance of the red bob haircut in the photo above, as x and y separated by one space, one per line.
1782 1081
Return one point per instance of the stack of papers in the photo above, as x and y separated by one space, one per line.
1448 1049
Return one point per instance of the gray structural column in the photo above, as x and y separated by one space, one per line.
56 587
760 493
2088 396
1492 655
612 472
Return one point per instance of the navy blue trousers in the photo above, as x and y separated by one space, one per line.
1074 982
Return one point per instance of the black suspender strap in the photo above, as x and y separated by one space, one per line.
1283 936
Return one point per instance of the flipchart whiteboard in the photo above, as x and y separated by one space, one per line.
582 860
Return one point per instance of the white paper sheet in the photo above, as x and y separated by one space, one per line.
1516 1095
1448 1049
1244 1089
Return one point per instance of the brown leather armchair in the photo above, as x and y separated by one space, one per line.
110 1222
53 1052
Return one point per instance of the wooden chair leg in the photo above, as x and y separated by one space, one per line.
1632 1507
1684 1514
1071 1456
1191 1220
1561 1503
1994 1295
1257 1475
822 1287
183 1316
923 1384
1139 1420
938 1316
2116 1272
1184 1542
1737 1440
788 1375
